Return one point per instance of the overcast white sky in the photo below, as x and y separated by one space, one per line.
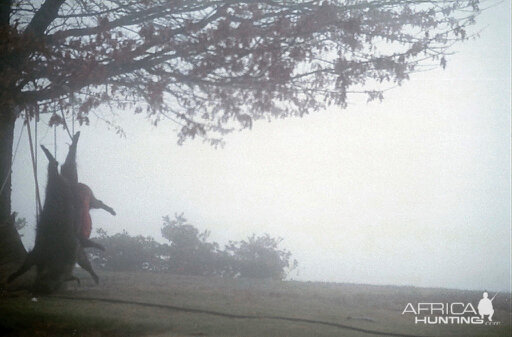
411 191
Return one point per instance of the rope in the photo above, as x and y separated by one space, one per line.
73 122
229 315
12 161
66 126
34 169
73 104
55 141
36 120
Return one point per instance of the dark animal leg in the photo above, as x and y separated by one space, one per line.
72 278
48 154
30 260
88 243
84 262
95 203
68 169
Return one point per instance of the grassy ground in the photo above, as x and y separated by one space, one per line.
377 308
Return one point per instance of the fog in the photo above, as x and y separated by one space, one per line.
411 191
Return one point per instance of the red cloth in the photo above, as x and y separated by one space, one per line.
86 195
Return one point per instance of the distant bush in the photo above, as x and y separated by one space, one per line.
260 257
190 253
19 223
127 253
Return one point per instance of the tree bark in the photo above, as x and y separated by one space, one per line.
12 251
7 120
5 11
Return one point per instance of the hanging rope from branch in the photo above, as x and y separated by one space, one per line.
66 126
73 102
55 141
73 122
36 139
34 169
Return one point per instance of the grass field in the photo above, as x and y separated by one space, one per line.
199 306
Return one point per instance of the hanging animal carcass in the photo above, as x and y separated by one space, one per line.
83 201
56 245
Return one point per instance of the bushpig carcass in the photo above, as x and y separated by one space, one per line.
83 201
56 246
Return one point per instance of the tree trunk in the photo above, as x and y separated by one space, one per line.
12 251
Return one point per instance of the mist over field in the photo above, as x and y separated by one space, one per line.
414 190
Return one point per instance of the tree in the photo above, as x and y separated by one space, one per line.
210 66
260 257
189 251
